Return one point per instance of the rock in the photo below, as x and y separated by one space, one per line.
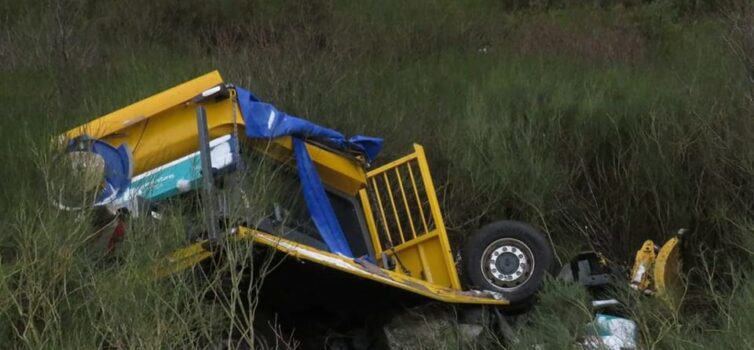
432 327
469 333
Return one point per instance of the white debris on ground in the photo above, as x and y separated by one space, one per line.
609 332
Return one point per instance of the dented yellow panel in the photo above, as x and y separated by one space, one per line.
172 134
162 128
146 108
191 255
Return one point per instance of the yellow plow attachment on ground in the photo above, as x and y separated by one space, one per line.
657 270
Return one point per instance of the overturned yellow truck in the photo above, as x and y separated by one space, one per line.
382 223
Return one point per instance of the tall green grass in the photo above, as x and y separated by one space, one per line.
605 125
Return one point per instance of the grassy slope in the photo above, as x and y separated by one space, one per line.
609 124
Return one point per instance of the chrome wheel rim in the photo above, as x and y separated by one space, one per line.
507 264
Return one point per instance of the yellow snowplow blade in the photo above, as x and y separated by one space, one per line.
658 272
667 272
187 257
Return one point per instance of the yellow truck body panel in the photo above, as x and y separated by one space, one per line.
403 217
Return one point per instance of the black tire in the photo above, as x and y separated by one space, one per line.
510 258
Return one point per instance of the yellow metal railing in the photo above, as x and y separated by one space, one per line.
405 221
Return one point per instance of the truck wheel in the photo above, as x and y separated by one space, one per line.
508 257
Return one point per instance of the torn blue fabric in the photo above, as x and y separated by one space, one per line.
118 166
319 206
263 120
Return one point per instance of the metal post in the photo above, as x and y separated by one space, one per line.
207 178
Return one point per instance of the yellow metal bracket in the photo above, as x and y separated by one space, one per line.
658 271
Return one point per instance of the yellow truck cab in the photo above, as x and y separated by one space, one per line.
382 224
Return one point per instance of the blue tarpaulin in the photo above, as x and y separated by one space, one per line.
117 166
319 205
263 120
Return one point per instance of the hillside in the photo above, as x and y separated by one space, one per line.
603 124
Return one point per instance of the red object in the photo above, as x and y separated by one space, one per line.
118 232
